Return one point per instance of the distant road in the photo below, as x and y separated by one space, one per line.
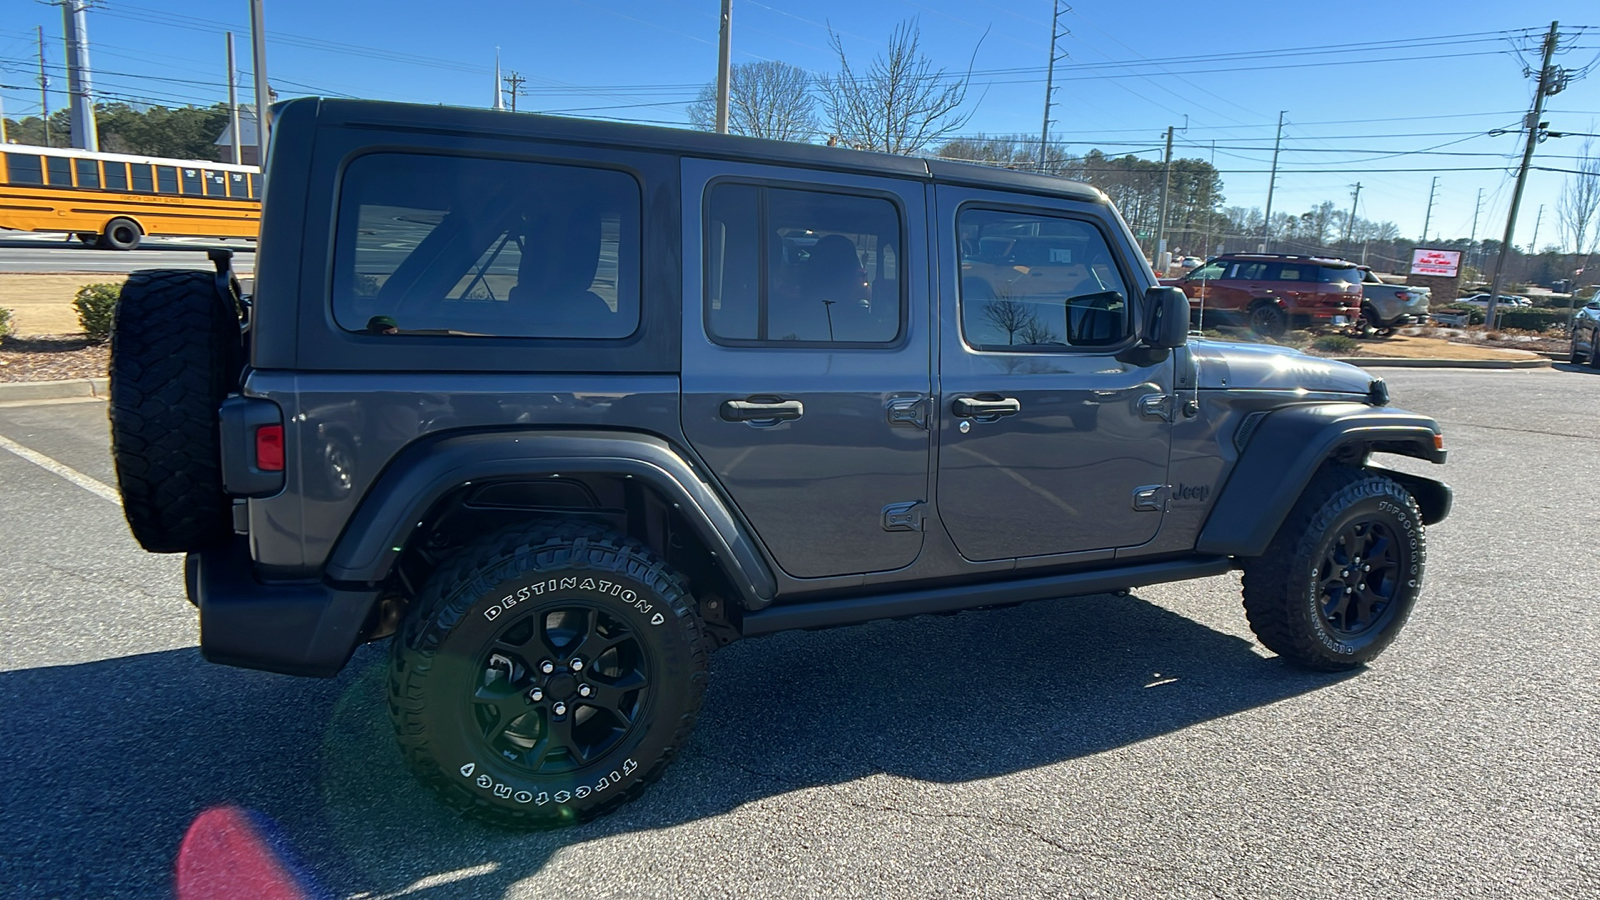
52 253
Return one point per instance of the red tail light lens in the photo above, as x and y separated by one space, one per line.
269 448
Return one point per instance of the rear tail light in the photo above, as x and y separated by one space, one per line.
269 448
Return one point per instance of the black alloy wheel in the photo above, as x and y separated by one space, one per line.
1268 320
1358 578
546 674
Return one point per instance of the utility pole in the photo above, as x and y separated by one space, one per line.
514 83
80 92
724 66
1533 245
1350 223
44 88
234 153
258 56
1472 241
1428 219
1049 86
499 93
1266 225
1547 85
2 121
1161 221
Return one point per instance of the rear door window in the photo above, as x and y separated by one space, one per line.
486 248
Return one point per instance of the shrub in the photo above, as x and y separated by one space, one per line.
1531 318
1335 343
94 304
5 324
1475 313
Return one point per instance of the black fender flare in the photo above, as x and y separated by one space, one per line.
423 473
1286 450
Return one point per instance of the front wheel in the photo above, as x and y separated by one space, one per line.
547 675
1339 579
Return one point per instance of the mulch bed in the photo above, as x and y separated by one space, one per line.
52 357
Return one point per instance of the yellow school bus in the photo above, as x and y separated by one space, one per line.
112 200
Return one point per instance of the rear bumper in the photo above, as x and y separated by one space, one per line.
299 628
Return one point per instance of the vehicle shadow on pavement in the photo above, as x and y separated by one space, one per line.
106 763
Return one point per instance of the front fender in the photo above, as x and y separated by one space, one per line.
1288 447
426 471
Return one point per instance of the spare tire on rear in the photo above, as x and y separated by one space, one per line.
176 352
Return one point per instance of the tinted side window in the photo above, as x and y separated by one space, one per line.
166 180
1251 271
1209 272
191 181
1339 275
1290 272
88 173
116 176
143 180
1036 282
24 168
474 247
237 185
60 169
216 183
802 266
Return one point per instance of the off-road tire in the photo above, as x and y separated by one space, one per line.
1267 320
1282 597
175 354
120 234
465 623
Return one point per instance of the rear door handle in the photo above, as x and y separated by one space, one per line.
977 407
762 410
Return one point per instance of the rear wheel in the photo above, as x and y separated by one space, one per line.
1268 320
547 675
1339 579
120 234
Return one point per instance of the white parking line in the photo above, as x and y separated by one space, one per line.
98 488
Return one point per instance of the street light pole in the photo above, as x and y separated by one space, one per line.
724 66
258 53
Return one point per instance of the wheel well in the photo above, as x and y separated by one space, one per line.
629 505
134 219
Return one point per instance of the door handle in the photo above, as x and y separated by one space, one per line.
978 407
761 410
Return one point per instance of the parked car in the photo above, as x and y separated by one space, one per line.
559 407
1506 301
1385 307
1586 335
1272 293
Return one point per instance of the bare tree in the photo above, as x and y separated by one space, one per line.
901 104
1011 316
1578 207
1010 151
767 99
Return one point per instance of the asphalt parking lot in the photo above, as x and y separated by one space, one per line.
1101 746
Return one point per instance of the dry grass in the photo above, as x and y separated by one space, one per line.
42 304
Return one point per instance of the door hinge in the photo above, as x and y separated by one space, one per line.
909 411
903 516
1150 497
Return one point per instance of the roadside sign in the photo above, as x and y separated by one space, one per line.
1446 263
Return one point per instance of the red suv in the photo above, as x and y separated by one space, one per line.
1271 293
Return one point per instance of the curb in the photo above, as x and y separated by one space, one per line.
55 390
1401 362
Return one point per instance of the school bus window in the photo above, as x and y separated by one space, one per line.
191 182
88 173
237 186
116 176
255 186
143 181
60 171
25 168
166 180
216 184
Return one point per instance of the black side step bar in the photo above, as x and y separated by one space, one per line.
855 610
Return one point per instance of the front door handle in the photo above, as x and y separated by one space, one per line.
762 410
979 407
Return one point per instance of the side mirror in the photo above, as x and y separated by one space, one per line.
1166 324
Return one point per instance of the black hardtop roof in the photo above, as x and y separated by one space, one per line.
562 129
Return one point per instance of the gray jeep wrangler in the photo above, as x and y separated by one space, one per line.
562 406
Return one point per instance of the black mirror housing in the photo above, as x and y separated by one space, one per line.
1166 318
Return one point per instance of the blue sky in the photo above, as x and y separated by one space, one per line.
1435 75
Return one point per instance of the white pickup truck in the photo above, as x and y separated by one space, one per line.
1385 307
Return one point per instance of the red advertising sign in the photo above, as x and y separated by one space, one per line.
1436 262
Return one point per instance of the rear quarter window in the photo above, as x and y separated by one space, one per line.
486 248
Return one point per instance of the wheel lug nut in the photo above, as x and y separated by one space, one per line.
1366 568
547 667
577 665
584 690
559 709
536 695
